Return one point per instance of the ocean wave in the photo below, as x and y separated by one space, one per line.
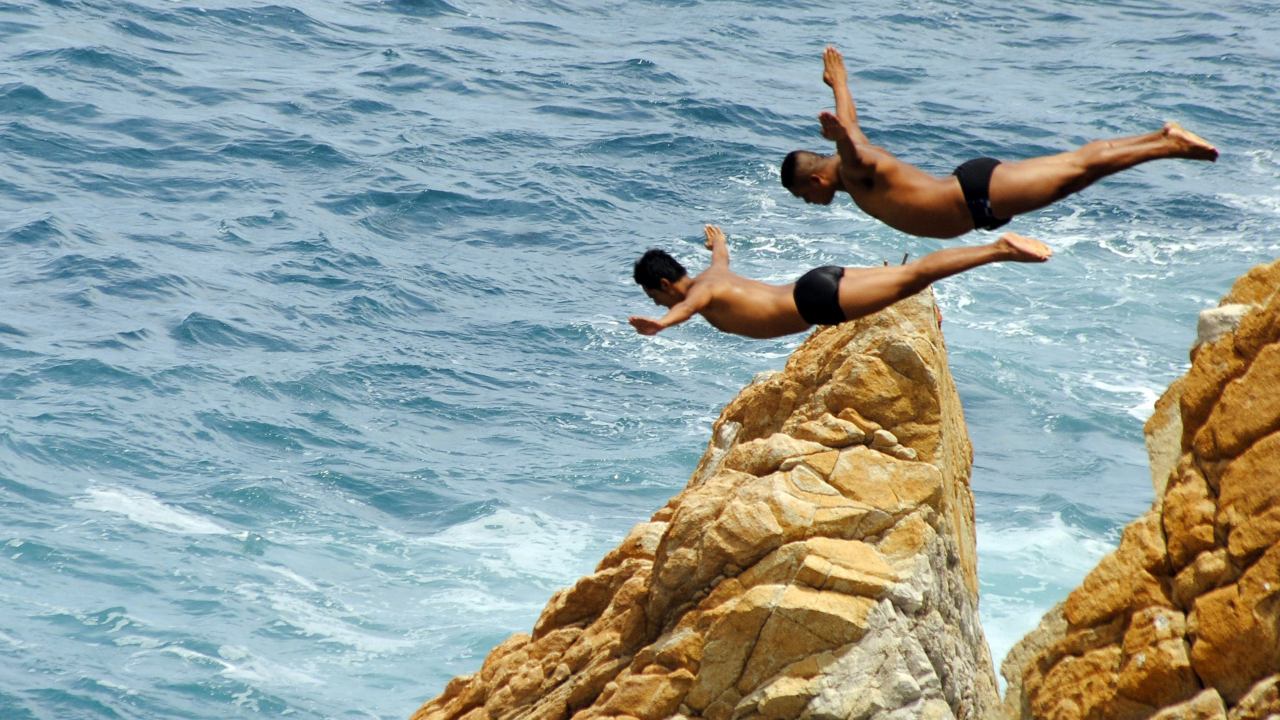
417 8
148 511
199 329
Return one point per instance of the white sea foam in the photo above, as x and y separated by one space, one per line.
231 661
192 656
322 617
455 602
117 687
146 510
1025 570
1265 203
141 641
1146 397
509 544
292 576
241 664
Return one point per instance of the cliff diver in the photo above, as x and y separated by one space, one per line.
823 296
982 193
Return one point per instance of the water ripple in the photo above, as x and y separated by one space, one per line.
200 329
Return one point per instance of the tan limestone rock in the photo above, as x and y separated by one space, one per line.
830 431
1262 701
803 479
1183 619
1249 500
1156 670
1207 705
1215 365
1124 580
883 440
804 622
785 697
868 427
1189 509
764 455
1237 630
1248 409
799 573
821 463
644 696
1024 664
1077 686
1216 322
1163 435
1211 569
885 483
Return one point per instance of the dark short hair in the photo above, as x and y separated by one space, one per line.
656 265
789 169
791 166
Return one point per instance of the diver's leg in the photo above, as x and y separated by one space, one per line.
1026 185
867 290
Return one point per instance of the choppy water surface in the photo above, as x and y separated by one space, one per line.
314 363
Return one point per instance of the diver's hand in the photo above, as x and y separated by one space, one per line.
644 325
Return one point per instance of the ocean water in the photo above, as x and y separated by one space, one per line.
314 361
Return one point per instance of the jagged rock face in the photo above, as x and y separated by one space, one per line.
1184 617
820 563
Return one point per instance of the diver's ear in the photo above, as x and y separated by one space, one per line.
817 180
664 284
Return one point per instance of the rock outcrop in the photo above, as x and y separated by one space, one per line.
820 562
1183 619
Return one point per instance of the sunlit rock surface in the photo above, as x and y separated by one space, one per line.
820 562
1183 619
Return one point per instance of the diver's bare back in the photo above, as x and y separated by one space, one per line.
982 193
749 307
896 193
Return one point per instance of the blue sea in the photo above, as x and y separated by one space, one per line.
314 360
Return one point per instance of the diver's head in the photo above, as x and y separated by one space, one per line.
804 175
659 273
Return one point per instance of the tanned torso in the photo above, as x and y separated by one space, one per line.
905 197
749 307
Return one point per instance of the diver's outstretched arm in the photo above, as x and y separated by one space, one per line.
834 75
698 299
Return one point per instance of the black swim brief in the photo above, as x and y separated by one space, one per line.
975 183
817 295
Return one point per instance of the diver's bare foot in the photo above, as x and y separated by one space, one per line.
713 233
1188 144
831 127
833 73
1020 248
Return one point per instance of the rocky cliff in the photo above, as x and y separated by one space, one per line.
819 563
1183 619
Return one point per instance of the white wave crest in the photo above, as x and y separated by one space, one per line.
1025 570
509 544
146 510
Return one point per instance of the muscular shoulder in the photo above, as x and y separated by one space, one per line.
715 283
